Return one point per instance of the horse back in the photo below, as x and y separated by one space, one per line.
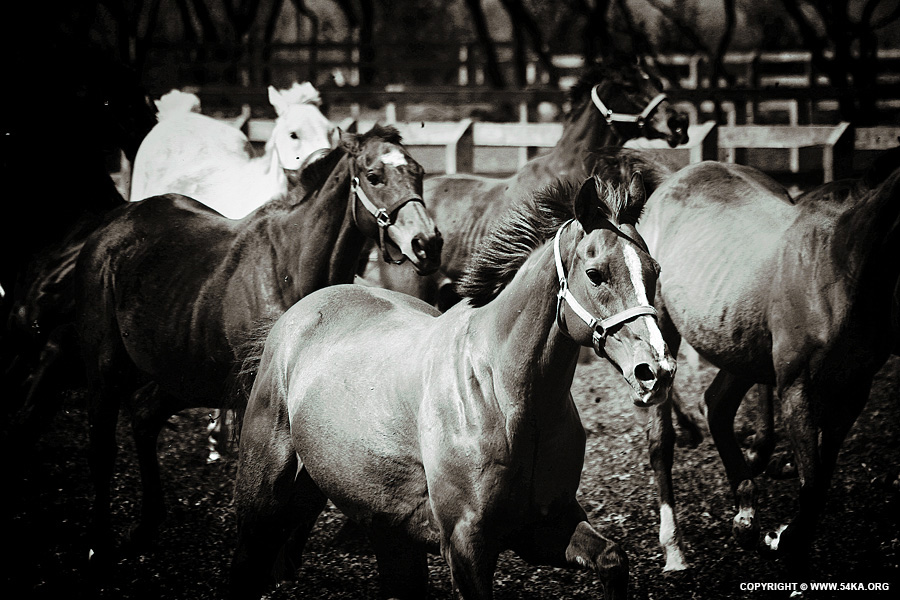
140 284
718 232
179 153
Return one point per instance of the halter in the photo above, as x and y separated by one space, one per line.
614 117
600 327
382 216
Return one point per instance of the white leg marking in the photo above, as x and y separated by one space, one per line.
668 539
633 262
772 542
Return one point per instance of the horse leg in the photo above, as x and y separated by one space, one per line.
661 444
43 394
815 463
661 441
402 566
218 431
566 539
723 397
307 503
103 415
271 484
763 442
472 562
150 409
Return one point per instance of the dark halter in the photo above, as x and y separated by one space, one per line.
599 327
381 214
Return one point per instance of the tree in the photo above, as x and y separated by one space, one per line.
830 33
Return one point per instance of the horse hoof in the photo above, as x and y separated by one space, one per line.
771 543
781 467
745 529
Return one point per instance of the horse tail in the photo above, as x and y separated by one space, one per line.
248 355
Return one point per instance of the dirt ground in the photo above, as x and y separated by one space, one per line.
859 537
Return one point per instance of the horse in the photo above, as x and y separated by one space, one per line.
105 109
471 443
170 304
612 102
840 192
214 163
790 295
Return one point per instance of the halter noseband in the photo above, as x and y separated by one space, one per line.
382 216
614 117
601 327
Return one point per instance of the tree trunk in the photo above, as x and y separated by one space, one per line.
492 67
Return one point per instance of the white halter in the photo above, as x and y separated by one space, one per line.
599 327
611 116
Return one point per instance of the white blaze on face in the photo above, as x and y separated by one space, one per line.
633 262
394 158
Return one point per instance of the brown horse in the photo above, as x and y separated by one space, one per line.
795 296
840 192
472 443
168 289
612 103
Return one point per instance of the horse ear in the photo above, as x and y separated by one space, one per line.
348 141
276 100
587 204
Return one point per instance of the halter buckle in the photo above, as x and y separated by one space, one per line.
383 218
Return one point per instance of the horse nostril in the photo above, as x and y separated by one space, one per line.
419 248
645 375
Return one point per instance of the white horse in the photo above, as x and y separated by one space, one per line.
213 162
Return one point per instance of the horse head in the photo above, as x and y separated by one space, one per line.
386 183
632 99
301 130
608 288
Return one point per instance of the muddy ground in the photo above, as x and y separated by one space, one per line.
859 541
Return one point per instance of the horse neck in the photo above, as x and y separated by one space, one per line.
331 243
530 359
270 163
867 242
585 132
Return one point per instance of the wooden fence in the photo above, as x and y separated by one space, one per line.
464 146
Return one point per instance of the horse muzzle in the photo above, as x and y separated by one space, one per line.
678 130
650 380
416 236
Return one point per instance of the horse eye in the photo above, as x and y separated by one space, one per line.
293 135
595 276
373 178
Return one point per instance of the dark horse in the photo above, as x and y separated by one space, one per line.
471 444
611 103
62 129
795 296
168 289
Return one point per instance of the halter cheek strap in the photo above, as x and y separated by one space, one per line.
614 117
599 327
382 216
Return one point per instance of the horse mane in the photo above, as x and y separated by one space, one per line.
387 133
617 165
175 102
527 226
302 93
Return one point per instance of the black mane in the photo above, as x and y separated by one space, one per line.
526 227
